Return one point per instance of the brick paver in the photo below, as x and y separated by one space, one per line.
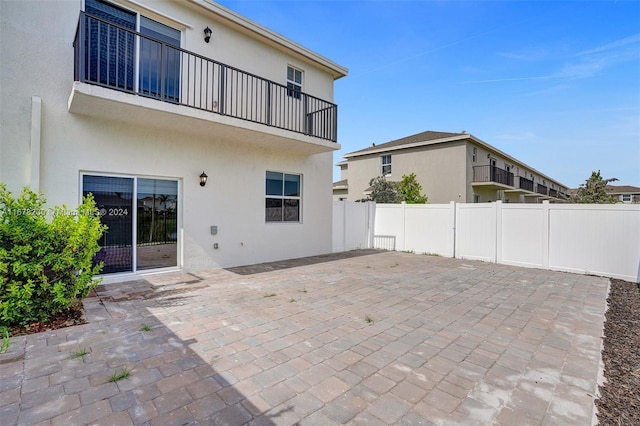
450 342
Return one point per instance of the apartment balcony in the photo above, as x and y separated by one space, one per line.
492 177
542 189
124 75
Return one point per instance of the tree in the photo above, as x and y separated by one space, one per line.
409 190
593 191
383 191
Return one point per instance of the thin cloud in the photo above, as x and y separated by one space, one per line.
589 62
624 42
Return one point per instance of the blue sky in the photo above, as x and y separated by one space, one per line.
555 84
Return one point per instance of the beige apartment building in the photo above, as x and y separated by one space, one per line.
450 167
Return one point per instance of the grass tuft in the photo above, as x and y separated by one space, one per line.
123 374
368 319
79 354
145 327
269 295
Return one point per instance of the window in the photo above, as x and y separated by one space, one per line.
159 63
115 53
475 154
386 165
282 197
294 82
626 198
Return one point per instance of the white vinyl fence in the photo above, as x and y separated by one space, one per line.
582 238
353 225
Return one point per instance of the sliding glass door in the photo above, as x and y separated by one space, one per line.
139 213
157 224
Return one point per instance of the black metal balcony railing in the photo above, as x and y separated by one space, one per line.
492 174
553 193
525 183
541 189
109 55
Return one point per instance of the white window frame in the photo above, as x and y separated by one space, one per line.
385 164
474 155
295 87
285 197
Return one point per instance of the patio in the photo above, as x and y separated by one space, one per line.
362 337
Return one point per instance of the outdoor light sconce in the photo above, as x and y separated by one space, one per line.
203 179
207 37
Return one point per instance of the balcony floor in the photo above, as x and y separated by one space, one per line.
491 185
109 104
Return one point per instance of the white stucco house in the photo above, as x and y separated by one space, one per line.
135 101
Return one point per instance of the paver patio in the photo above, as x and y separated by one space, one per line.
451 342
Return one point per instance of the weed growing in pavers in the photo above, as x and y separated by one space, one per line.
408 251
292 300
123 374
4 347
304 290
78 354
145 327
431 254
394 265
368 319
269 295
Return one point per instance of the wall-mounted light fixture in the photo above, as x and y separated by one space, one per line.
203 179
207 34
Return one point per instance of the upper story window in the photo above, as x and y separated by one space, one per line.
283 197
475 154
294 82
115 57
386 164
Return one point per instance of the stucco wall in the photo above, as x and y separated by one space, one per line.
439 169
40 62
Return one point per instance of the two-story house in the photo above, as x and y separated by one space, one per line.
450 167
205 138
624 193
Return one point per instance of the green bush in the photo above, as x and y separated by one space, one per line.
45 266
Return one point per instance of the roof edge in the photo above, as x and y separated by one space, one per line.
337 70
410 145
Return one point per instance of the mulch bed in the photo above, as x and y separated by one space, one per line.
619 402
72 316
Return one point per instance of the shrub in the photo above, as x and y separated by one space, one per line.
45 266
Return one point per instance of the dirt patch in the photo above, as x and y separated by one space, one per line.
619 402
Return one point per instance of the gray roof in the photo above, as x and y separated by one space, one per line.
622 189
427 136
341 183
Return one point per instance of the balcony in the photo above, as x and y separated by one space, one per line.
492 177
542 189
525 184
120 73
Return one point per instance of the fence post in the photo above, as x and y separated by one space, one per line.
546 234
371 220
498 252
403 207
452 224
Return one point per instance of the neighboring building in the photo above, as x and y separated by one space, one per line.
133 100
624 193
450 167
